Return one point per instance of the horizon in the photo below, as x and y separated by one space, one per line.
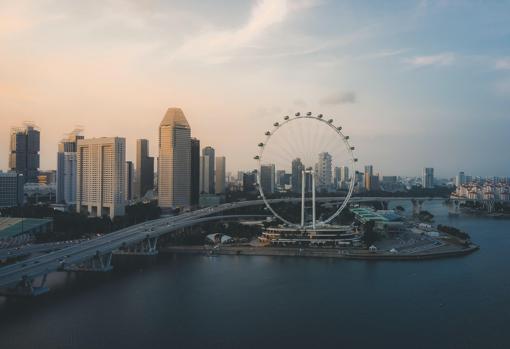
414 84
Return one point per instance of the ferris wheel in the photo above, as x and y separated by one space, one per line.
306 155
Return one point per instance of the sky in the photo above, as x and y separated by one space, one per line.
413 83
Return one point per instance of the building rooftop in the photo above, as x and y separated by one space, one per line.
10 227
174 117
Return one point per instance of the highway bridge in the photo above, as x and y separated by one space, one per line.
96 254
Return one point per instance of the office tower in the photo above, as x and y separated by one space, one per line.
344 174
195 171
220 175
460 179
11 189
174 171
144 180
267 178
101 176
66 168
368 176
207 170
428 178
130 177
324 171
280 178
360 181
24 156
249 180
337 177
297 168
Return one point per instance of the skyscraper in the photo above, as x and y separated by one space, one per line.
130 174
144 169
324 171
66 168
101 176
195 171
267 178
220 175
428 178
207 170
11 189
174 165
460 179
369 172
297 168
24 156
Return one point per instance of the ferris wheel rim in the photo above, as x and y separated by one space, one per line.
352 167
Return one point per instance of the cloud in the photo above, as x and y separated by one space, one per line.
503 63
442 59
340 98
218 46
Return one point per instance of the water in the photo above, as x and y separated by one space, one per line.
274 302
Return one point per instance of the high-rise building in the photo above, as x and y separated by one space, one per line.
267 178
11 189
207 170
101 176
249 180
460 179
324 171
66 168
297 175
144 178
220 175
195 171
174 165
428 178
280 179
368 176
130 177
24 156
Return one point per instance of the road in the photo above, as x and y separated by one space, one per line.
75 254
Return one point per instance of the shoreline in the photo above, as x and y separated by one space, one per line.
318 252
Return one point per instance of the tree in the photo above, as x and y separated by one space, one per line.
369 234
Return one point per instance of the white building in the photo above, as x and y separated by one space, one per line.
66 169
324 171
100 176
174 164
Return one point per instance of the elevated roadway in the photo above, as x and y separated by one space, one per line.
18 278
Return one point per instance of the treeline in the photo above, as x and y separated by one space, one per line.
453 231
72 225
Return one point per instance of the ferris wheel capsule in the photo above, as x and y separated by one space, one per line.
286 117
309 113
339 128
319 116
352 148
298 113
256 157
276 124
346 138
261 144
267 133
330 121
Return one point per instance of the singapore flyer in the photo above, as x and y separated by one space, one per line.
306 159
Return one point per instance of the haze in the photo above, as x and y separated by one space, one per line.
415 84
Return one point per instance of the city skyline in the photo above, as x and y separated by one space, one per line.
434 96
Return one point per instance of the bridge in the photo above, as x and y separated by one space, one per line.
19 279
456 201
